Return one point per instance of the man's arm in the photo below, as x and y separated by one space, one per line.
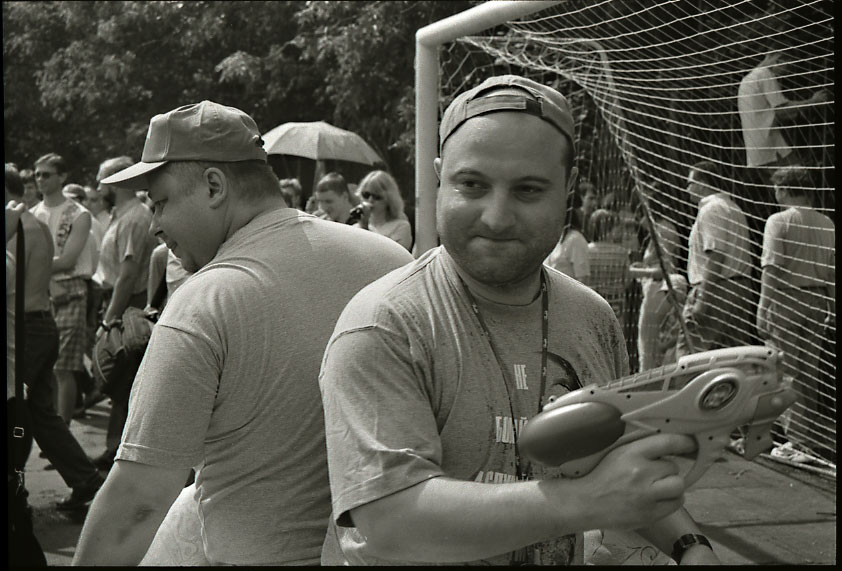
664 533
126 513
79 233
445 520
14 210
794 108
129 270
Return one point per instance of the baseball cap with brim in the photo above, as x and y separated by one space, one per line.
509 93
205 131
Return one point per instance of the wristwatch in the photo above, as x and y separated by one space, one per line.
685 542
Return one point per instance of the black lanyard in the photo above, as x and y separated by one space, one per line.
545 328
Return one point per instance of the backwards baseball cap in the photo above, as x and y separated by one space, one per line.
509 93
205 131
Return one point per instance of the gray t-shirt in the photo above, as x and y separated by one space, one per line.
412 390
229 382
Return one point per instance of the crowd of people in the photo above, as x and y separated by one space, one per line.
718 299
312 393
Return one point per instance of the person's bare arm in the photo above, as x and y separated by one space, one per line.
79 233
664 533
126 513
793 109
445 520
13 214
129 270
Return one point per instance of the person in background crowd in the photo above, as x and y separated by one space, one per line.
658 320
570 256
798 292
100 205
719 310
763 108
41 350
75 192
765 113
609 260
291 189
74 264
31 194
333 198
381 208
86 390
124 267
433 370
216 391
590 202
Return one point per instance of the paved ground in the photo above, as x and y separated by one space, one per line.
755 513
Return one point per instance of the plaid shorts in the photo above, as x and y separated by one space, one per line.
71 321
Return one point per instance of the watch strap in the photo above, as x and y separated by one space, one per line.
685 542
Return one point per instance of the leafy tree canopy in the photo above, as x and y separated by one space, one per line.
84 78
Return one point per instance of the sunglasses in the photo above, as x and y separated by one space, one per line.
44 175
367 195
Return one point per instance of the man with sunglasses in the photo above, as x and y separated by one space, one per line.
433 370
73 264
55 328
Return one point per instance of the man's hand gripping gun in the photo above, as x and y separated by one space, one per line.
706 395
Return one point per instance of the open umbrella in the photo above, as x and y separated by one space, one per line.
319 141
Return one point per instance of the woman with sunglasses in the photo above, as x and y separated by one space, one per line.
382 208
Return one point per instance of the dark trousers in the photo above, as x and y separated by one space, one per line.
50 431
119 405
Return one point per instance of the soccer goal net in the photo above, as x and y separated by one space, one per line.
659 86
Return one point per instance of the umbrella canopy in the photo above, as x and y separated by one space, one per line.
319 141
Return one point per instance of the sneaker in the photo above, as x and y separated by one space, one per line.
80 497
793 453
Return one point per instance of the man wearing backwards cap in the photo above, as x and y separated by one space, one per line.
419 399
228 384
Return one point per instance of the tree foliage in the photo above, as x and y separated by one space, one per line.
84 78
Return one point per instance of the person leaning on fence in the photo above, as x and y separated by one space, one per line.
228 384
797 300
428 366
609 260
381 208
719 310
658 326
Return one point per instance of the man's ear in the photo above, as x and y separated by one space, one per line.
437 167
217 186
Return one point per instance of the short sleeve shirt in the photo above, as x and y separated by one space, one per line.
758 95
720 226
412 389
801 242
229 382
127 236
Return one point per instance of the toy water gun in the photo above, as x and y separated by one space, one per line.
707 395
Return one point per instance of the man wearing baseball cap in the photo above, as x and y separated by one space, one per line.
433 370
228 384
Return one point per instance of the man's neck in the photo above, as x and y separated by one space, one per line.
522 292
54 199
